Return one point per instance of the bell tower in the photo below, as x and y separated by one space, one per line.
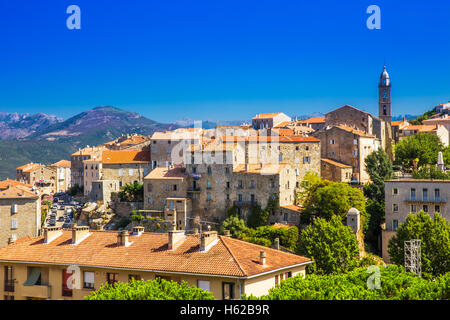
384 97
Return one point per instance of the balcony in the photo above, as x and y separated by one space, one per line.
194 190
425 200
36 291
245 203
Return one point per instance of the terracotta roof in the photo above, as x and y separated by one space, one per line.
281 139
179 134
314 120
421 128
266 115
128 141
436 121
355 131
256 168
284 132
61 163
31 169
293 207
125 156
8 182
28 166
17 191
228 257
397 123
335 163
88 151
166 173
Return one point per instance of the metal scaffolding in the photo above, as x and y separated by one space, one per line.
413 256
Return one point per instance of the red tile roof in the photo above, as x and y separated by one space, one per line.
228 257
266 115
125 156
61 163
314 120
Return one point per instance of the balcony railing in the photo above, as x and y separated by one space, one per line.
428 199
36 291
245 203
9 286
194 190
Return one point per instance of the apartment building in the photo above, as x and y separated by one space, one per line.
42 177
20 211
40 267
348 146
76 162
404 196
63 175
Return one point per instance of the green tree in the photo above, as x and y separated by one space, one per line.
327 198
376 213
332 246
424 146
158 289
257 217
288 236
446 154
435 242
379 168
132 192
395 284
430 173
235 225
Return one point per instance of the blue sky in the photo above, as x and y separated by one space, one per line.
208 59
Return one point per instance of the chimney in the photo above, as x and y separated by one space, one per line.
122 238
79 233
276 243
226 233
207 239
262 257
137 231
51 233
176 237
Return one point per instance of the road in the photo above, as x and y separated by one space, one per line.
59 214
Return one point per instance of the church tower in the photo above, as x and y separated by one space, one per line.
384 97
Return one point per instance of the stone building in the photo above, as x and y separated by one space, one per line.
39 267
396 127
63 175
405 196
102 190
167 148
92 170
39 176
125 166
348 146
76 162
336 171
129 142
315 123
269 120
20 211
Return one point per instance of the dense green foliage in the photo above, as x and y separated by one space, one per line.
430 173
435 242
379 168
446 155
423 146
376 213
158 289
259 217
395 284
132 192
76 190
326 199
425 116
332 246
235 225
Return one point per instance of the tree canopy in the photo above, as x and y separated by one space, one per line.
423 146
435 242
158 289
379 168
132 192
332 246
360 284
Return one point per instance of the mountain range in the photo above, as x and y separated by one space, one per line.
47 139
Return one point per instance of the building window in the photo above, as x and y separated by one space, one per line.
306 159
394 191
252 184
307 148
150 200
112 278
395 224
9 280
134 276
425 208
149 187
66 285
437 209
240 185
227 170
272 184
174 187
413 208
228 196
208 196
425 194
228 184
332 153
88 282
227 290
130 172
120 172
14 224
288 275
209 170
208 184
203 284
332 141
355 153
437 195
413 194
395 207
355 141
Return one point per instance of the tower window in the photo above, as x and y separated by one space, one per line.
384 110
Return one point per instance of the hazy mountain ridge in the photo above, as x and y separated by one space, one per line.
16 125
